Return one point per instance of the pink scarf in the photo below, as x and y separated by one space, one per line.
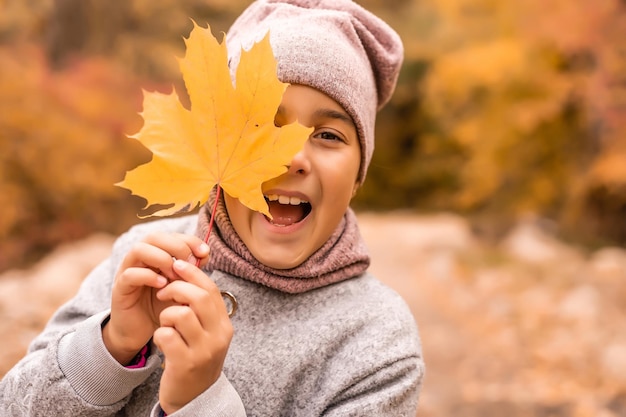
343 256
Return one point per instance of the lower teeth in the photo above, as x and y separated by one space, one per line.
276 224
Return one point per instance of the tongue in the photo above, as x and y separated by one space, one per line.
285 214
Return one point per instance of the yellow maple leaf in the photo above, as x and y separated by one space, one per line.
227 137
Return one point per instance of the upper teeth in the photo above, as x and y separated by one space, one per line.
283 199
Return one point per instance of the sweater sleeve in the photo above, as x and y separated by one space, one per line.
392 390
67 369
220 400
91 370
376 365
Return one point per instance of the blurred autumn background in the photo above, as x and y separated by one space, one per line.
509 118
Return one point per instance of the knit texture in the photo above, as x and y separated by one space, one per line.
335 46
343 256
348 349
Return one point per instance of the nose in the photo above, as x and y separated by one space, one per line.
300 164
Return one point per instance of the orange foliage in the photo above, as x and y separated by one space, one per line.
63 148
531 93
502 108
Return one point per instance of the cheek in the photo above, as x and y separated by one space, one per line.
342 164
350 172
341 179
237 213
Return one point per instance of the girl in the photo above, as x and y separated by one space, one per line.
313 334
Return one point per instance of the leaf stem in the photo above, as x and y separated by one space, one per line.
213 210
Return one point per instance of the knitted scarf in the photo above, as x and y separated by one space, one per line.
343 256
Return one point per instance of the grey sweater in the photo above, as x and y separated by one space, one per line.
347 349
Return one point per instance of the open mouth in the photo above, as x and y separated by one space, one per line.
287 210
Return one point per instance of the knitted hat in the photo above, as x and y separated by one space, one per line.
335 46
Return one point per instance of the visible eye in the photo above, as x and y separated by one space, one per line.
326 135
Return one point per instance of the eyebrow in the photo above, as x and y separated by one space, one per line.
325 113
333 114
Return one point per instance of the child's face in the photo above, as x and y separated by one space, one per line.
324 174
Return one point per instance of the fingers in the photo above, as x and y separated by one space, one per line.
184 321
197 291
194 335
134 277
170 342
199 301
192 274
157 250
183 338
181 246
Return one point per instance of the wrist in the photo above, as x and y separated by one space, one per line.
124 354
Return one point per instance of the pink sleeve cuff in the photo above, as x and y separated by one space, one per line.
141 359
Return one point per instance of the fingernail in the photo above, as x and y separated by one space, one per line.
180 265
204 247
161 280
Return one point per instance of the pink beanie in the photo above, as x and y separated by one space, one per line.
335 46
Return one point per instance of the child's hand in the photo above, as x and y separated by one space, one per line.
135 309
194 336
